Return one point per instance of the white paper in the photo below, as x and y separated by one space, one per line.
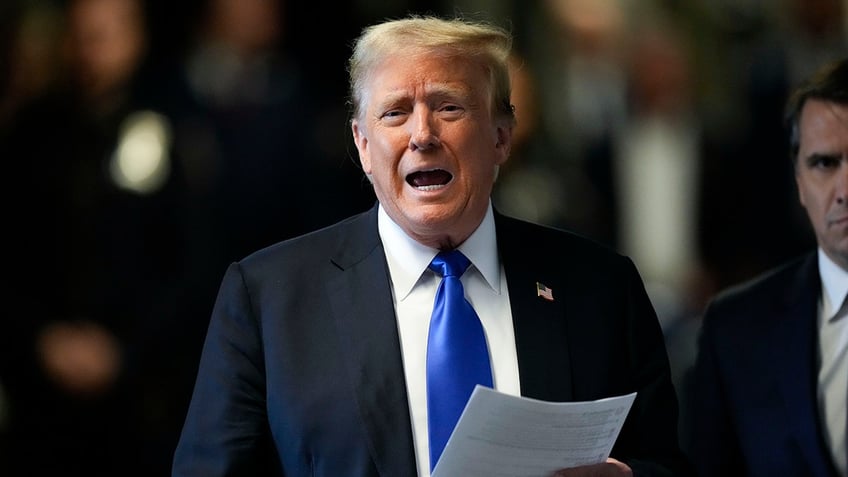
500 435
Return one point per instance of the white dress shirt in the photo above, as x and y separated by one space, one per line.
414 292
833 359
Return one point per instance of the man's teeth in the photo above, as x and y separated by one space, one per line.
430 187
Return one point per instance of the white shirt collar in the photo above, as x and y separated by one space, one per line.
834 284
409 259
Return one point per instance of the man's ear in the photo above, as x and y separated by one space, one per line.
800 187
503 142
361 142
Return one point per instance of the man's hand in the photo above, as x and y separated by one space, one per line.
610 468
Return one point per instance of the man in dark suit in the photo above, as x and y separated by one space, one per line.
314 362
770 380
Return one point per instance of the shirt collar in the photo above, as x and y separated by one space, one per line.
834 284
408 259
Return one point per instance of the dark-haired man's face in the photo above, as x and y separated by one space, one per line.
822 174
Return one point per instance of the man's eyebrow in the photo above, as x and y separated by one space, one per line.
446 89
393 97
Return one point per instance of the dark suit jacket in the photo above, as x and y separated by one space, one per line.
301 373
752 404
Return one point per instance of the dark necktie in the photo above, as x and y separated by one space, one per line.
457 355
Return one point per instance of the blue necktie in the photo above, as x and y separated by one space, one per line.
457 355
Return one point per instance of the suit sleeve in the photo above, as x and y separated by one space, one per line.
226 431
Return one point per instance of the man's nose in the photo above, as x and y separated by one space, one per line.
423 134
841 191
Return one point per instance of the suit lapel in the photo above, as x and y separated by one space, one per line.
544 363
365 319
794 349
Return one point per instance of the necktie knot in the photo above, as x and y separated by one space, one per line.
450 264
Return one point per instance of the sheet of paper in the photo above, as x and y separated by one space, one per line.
500 435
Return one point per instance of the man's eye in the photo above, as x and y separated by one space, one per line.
393 117
824 162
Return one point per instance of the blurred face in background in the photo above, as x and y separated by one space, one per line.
429 141
822 174
248 26
105 43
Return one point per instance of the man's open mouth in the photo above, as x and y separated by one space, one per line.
429 180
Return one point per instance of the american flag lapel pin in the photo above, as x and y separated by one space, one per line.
543 291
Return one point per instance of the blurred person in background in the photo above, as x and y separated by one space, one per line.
583 87
28 53
769 385
97 236
537 184
656 157
250 130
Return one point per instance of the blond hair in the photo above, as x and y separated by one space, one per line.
456 38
